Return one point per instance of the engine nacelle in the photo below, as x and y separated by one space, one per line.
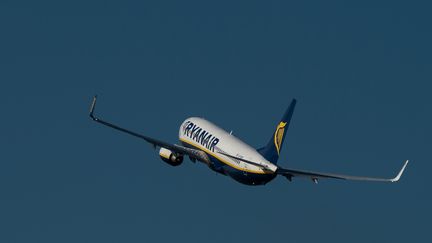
169 157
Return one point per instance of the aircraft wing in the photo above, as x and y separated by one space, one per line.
289 173
194 153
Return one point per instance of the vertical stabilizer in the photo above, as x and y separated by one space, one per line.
272 150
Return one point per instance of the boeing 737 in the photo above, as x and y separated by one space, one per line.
203 141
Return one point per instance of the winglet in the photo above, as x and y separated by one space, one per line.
400 173
92 107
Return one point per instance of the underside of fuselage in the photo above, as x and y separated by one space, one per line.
244 177
248 178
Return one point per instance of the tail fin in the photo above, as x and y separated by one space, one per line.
272 150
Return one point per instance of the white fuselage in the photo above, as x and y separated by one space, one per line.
206 136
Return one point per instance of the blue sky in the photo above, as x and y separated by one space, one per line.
361 73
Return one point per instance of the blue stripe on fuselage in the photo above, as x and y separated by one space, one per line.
243 177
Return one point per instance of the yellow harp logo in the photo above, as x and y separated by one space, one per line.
279 135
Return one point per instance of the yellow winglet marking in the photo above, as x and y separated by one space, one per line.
278 136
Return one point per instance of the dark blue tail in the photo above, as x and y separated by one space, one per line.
272 150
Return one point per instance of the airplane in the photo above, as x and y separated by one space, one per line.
203 141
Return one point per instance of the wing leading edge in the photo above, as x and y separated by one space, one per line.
289 173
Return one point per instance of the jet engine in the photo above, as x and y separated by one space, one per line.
171 158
